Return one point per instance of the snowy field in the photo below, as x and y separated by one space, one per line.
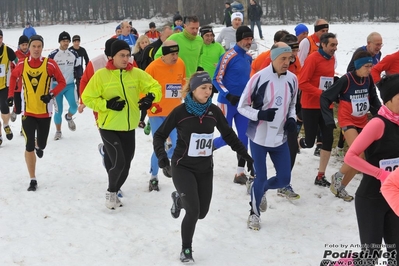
66 223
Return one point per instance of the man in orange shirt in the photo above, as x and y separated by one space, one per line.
316 76
312 42
152 33
169 70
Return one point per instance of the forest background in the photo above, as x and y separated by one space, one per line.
49 12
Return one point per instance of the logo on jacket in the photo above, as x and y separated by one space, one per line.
279 100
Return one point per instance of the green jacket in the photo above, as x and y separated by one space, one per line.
128 84
189 51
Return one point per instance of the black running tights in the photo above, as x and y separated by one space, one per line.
195 190
376 221
120 146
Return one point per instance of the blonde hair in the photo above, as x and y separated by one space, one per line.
137 48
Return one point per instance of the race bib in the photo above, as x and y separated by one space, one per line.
200 145
173 91
325 82
389 164
2 70
360 106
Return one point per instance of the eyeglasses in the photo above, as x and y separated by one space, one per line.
379 44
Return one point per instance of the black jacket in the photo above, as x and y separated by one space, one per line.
255 12
227 16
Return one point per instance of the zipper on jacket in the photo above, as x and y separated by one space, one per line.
127 102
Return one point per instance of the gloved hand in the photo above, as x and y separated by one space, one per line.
232 99
290 125
116 105
146 102
163 162
10 101
247 157
46 98
267 115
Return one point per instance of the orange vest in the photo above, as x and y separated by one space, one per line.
314 43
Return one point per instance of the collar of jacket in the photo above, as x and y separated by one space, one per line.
110 65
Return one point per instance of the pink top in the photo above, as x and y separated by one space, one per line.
390 190
372 131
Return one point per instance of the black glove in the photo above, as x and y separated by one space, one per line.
46 98
290 125
268 114
10 101
163 162
146 102
247 157
233 99
116 105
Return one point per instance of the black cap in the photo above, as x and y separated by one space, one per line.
23 39
76 38
108 44
152 25
27 23
64 36
243 32
119 45
205 29
389 87
36 38
177 17
1 33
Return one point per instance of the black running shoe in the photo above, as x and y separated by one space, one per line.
39 152
186 255
322 182
167 171
32 185
8 131
153 185
176 206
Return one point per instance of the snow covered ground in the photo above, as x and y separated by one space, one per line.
66 223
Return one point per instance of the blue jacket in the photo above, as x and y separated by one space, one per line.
232 73
29 32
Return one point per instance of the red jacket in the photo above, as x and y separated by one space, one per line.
390 64
316 69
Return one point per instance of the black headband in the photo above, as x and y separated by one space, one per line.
170 49
320 27
294 45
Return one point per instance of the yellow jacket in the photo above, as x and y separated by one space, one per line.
128 84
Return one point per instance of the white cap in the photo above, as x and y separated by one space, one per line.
237 15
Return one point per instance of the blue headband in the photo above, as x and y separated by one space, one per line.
274 53
362 61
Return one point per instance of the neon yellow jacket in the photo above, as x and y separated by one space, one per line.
128 84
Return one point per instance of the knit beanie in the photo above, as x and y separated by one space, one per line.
205 29
1 33
236 15
64 36
300 28
389 87
119 45
108 43
177 17
36 38
23 39
243 32
152 25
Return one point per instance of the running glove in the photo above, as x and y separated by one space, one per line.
146 102
116 105
267 115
